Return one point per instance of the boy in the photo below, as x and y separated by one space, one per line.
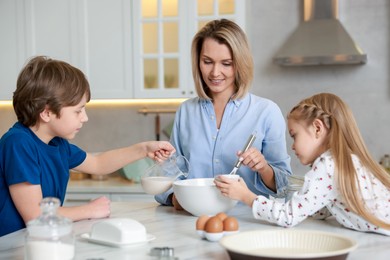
35 155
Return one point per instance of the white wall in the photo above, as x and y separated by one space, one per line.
366 88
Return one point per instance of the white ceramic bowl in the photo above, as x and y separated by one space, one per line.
201 197
287 244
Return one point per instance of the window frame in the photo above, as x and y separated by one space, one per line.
187 27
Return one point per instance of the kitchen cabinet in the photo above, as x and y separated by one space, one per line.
12 47
126 48
163 32
92 35
115 188
104 44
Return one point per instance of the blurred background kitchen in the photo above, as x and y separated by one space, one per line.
136 55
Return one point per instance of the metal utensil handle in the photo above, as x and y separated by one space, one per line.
248 144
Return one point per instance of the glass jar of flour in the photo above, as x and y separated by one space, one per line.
49 236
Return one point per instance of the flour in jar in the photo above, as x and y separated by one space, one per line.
156 184
44 250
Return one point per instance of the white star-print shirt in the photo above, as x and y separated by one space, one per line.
319 195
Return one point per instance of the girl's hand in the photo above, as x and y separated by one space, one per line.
159 150
235 189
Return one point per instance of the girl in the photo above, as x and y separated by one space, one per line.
344 180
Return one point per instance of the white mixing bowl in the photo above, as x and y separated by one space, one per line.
201 197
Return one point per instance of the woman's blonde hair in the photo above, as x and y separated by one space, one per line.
344 139
229 33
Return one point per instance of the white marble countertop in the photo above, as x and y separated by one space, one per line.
177 229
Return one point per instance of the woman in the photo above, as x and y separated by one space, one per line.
209 130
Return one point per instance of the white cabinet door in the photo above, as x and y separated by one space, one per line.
12 45
163 32
93 35
31 28
49 30
105 46
161 49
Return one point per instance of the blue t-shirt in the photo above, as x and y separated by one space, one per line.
26 158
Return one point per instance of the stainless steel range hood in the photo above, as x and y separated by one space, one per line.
320 39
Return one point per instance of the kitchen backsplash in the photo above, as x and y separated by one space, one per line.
107 127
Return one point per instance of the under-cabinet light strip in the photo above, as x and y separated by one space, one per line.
109 102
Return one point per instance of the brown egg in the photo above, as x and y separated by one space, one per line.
201 222
230 224
221 216
214 225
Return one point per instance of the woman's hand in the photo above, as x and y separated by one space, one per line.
255 160
176 203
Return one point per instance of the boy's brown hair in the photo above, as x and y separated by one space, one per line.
45 82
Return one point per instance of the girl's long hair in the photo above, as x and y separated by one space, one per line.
344 139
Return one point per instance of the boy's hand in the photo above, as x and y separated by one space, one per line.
159 150
100 207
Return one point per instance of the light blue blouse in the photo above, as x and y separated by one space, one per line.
212 151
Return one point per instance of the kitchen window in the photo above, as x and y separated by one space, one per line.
162 33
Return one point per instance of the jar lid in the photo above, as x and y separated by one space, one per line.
49 224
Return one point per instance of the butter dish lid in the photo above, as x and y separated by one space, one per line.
118 232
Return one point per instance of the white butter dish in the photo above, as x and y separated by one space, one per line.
118 232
